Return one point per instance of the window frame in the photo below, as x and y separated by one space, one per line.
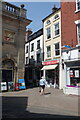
57 49
48 52
27 60
38 59
57 29
78 33
32 47
48 33
38 44
77 5
27 49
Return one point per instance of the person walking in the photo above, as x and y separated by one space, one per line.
42 84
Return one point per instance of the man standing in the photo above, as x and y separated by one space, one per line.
42 84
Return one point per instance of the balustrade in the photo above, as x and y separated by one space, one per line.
13 9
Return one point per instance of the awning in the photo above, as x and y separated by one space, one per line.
49 67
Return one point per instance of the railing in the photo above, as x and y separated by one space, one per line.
7 7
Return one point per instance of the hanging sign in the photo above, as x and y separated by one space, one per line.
76 73
3 86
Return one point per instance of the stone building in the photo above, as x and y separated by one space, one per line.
14 22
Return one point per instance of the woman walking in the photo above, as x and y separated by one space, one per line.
42 84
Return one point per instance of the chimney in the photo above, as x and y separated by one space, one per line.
22 6
28 33
54 8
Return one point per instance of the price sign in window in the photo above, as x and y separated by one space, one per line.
76 73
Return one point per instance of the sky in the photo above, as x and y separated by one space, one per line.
37 11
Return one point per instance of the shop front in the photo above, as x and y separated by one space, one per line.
71 71
72 78
51 72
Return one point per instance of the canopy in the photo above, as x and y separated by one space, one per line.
49 67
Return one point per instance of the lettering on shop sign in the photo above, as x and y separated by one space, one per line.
50 62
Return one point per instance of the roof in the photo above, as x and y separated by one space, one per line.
51 14
35 35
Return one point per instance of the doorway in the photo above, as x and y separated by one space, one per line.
7 76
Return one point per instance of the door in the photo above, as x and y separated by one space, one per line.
6 75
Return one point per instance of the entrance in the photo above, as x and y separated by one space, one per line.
7 75
52 76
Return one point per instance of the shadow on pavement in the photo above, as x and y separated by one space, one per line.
47 93
16 108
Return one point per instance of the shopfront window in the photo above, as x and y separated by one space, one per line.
75 76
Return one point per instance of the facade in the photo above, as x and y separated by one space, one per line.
33 57
70 35
52 47
14 24
71 70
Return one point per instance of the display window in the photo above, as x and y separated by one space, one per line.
75 76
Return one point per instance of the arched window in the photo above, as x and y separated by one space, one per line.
48 22
56 16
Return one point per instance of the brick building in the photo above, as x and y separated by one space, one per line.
70 35
14 24
70 23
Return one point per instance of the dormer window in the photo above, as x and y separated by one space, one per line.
48 22
56 16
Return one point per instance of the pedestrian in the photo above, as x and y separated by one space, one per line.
42 84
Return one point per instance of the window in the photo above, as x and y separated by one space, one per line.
74 76
78 33
26 49
26 60
38 44
56 29
48 30
48 22
56 17
32 57
32 47
57 49
48 51
78 4
38 57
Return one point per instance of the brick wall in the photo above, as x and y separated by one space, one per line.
68 18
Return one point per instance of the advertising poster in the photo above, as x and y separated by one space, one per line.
3 86
76 73
71 73
21 84
10 86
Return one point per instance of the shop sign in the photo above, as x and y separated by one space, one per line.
76 73
50 62
3 86
21 84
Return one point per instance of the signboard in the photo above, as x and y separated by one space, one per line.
76 73
21 84
10 86
50 62
3 86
